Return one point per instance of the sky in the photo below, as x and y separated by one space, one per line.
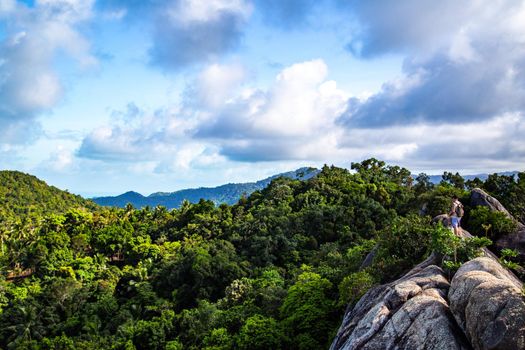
104 96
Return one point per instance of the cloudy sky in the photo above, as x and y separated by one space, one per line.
104 96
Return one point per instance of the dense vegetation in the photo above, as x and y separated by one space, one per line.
274 271
24 196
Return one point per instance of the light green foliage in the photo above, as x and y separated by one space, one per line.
456 250
24 197
357 253
218 339
499 223
174 345
506 257
307 310
353 286
260 333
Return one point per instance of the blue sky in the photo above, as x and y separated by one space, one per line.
104 96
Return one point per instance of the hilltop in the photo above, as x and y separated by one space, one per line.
229 193
25 195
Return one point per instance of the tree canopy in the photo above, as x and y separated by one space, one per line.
275 270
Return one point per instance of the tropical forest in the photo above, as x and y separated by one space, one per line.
276 270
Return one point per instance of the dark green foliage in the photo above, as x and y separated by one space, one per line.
439 199
494 224
510 191
402 244
453 179
423 184
306 312
274 271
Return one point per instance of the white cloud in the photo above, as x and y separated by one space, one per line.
61 159
188 12
224 119
293 119
297 119
29 83
216 84
187 32
7 7
465 62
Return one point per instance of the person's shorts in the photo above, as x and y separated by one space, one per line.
455 221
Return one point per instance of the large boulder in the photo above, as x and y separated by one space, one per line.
482 198
488 304
410 313
514 240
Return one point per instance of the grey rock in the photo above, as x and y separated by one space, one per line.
515 240
487 303
482 198
369 258
410 313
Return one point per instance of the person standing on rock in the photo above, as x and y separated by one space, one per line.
456 213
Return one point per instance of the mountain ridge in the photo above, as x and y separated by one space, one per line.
228 193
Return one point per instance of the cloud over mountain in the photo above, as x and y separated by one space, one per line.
293 119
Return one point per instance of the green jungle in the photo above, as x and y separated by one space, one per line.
274 271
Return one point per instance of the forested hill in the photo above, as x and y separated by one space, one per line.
23 194
276 270
229 193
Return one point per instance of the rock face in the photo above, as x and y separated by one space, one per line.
480 197
513 241
482 308
410 313
488 305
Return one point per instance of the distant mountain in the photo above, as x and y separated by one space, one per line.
437 178
22 195
229 193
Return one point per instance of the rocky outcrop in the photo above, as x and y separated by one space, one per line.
488 305
480 197
482 308
410 313
515 240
